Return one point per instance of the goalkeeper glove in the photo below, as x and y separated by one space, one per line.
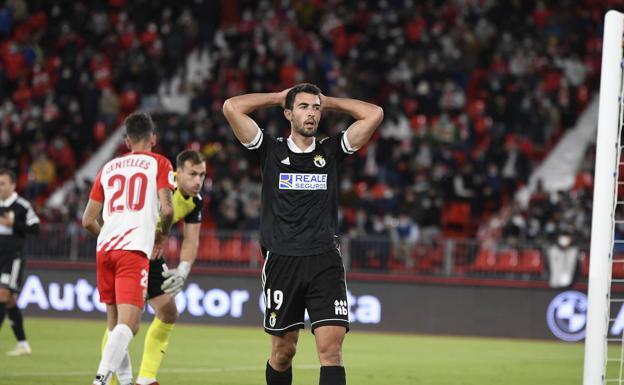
175 278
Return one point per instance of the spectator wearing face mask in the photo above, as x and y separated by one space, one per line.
562 257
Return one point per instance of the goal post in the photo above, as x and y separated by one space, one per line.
608 151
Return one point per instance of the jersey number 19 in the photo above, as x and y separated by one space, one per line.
278 298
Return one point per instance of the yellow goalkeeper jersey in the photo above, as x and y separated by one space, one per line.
187 208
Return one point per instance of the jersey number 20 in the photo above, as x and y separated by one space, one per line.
134 191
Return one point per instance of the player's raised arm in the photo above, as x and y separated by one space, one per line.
368 117
237 109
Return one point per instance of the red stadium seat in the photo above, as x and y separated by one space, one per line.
508 261
485 261
456 219
617 270
428 258
531 262
208 248
231 250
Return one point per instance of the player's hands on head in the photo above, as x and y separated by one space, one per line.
322 99
282 96
174 282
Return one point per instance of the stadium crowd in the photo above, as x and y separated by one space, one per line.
475 93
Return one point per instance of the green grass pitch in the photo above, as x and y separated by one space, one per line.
67 352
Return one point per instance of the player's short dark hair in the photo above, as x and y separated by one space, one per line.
195 157
139 126
11 174
303 87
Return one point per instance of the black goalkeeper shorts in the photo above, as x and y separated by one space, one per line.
293 284
155 278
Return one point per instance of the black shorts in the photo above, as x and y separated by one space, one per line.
12 273
155 278
293 284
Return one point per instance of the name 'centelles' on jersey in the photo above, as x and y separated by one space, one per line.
299 211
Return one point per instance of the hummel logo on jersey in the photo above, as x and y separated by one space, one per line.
340 307
286 161
296 181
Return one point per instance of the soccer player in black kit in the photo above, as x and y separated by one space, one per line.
299 212
17 220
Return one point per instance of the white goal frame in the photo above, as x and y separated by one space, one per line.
608 149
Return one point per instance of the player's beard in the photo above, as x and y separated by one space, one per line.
307 131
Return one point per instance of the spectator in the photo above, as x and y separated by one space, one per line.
404 234
62 156
469 86
514 166
109 107
562 259
40 176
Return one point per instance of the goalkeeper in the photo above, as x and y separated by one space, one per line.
164 284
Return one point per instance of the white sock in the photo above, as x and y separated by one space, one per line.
145 381
124 373
114 352
23 344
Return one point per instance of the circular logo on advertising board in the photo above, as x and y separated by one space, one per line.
567 315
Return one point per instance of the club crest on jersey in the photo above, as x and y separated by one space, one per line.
299 181
272 319
319 161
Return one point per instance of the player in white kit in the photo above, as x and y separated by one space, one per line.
129 192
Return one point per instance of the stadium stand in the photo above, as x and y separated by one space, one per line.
476 94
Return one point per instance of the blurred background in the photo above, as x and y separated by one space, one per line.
481 173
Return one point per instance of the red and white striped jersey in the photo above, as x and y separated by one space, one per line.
128 188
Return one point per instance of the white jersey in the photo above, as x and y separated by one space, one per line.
128 188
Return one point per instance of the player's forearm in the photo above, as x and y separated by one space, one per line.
90 216
165 197
246 104
368 117
190 244
166 220
237 109
92 228
188 251
358 109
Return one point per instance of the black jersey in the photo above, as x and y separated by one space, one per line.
25 222
299 211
